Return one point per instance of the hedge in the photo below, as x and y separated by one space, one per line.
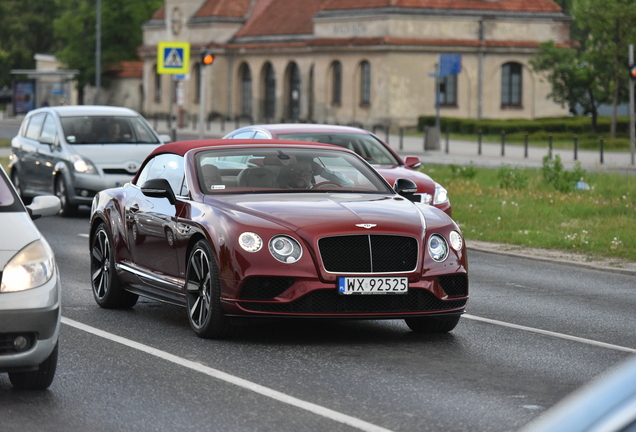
575 125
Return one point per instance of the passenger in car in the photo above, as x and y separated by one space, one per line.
301 175
212 177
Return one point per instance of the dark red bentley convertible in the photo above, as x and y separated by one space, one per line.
232 228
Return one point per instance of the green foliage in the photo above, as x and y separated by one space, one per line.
555 175
26 28
512 178
463 171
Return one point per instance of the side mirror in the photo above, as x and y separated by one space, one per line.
412 161
405 187
47 140
165 138
158 188
44 205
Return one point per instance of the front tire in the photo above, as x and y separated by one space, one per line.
203 294
39 379
428 325
61 191
107 289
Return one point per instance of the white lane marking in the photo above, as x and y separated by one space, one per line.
549 333
215 373
83 235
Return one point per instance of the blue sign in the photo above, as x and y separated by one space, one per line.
450 64
23 97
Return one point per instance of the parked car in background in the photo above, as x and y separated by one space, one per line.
30 292
275 228
76 151
375 151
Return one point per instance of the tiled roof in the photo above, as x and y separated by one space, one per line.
281 17
224 8
129 69
160 13
494 5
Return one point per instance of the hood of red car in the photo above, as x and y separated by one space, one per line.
333 213
424 183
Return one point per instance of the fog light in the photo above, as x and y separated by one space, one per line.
21 343
84 193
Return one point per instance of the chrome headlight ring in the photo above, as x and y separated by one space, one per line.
285 249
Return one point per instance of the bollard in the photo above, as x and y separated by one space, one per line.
447 139
387 135
503 142
602 144
479 132
424 137
401 138
550 145
222 123
576 147
525 145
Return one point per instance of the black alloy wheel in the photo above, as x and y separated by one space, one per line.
107 289
203 294
61 191
432 324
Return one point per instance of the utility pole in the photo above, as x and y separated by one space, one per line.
98 51
632 132
201 98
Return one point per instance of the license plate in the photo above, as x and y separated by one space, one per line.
373 285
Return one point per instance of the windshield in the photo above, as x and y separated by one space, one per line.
285 170
107 129
371 150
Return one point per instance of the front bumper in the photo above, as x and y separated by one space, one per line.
34 314
85 186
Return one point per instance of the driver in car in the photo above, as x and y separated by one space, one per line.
301 175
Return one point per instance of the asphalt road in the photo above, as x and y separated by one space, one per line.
144 370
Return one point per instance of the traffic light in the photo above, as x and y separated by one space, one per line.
632 72
206 58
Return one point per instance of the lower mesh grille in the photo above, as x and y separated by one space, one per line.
265 288
330 302
454 285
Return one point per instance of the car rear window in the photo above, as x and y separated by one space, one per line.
107 130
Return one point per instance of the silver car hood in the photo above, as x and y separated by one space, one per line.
19 231
114 154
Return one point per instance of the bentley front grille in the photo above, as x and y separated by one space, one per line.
372 253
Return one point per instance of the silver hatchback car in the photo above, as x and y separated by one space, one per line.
30 292
76 151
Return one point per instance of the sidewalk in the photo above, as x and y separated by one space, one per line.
461 152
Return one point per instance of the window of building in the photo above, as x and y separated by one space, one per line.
336 89
511 95
448 90
246 91
294 92
365 83
270 91
157 85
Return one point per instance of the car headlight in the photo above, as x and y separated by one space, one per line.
437 247
285 249
32 267
251 242
82 165
441 194
456 240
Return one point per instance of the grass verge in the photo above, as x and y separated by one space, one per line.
598 222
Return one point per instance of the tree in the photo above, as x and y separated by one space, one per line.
573 76
26 29
121 35
612 27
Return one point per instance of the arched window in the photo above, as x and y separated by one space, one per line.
270 91
157 80
336 83
246 90
294 92
197 83
365 83
511 95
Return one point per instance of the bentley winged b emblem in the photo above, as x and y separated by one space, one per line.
367 226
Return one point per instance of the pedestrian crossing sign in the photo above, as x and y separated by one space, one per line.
173 58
